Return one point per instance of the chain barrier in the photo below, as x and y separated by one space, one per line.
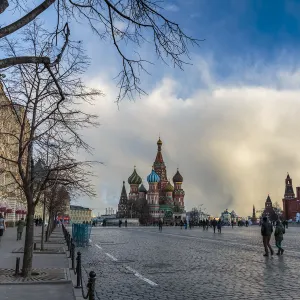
91 294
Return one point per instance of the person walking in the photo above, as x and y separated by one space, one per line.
2 225
219 225
214 224
126 223
20 228
181 224
266 232
185 224
160 224
279 232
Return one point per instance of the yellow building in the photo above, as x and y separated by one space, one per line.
79 214
10 125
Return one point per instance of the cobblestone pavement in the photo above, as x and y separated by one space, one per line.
141 263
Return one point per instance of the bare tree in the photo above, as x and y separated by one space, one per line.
57 201
124 22
47 106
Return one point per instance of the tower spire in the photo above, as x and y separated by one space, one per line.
289 191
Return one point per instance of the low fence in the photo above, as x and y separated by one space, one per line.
81 234
90 294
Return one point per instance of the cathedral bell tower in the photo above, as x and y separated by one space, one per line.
160 170
153 194
178 191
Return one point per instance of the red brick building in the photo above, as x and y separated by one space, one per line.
291 204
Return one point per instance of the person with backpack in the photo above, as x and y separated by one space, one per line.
2 225
279 232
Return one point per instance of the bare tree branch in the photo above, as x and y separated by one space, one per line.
21 60
3 5
4 31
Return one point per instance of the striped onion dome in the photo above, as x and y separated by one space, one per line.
153 177
169 187
142 189
134 178
177 177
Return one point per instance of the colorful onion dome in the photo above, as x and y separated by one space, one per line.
134 178
169 187
153 177
142 189
159 142
177 177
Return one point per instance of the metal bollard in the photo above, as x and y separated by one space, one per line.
17 271
91 285
73 256
68 241
78 270
70 248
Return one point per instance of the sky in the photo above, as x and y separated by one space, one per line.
229 121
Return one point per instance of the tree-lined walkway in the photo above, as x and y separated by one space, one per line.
34 290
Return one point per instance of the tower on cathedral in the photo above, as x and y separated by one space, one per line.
123 203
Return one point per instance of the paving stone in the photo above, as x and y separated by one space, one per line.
191 264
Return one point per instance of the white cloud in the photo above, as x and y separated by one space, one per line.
234 142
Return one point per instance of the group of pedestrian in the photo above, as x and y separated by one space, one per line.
38 221
217 224
120 223
266 232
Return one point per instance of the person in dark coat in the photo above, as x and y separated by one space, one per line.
181 224
214 224
266 232
160 224
219 225
20 227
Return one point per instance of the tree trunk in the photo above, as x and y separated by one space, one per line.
48 227
43 228
28 248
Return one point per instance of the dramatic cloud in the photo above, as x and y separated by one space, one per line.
233 142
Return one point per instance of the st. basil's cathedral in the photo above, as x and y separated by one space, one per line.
164 200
